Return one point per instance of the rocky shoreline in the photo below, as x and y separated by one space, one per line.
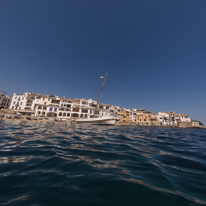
133 124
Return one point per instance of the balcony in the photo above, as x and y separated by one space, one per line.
75 110
55 101
64 109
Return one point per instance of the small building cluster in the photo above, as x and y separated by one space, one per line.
61 108
5 100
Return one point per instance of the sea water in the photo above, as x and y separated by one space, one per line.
45 163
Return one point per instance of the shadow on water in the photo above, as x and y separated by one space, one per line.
63 164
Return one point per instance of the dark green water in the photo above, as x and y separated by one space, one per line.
60 164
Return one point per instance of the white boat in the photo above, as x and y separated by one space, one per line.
103 120
97 120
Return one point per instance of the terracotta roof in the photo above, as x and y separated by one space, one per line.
184 115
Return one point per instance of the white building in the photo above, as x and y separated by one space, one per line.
195 124
35 104
5 100
185 118
81 108
22 101
46 105
164 117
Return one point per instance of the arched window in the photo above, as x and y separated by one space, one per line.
64 114
60 114
75 115
68 114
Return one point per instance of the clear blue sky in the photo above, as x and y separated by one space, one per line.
154 51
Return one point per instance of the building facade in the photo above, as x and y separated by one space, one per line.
5 100
147 119
23 101
61 108
185 118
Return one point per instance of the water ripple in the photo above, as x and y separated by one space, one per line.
62 164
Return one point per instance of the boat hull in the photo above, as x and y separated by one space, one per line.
98 121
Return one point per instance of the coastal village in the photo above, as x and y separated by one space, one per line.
32 106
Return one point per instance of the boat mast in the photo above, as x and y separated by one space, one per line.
101 88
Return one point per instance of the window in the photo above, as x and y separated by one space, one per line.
55 109
60 114
64 114
68 114
21 103
15 97
12 107
14 102
44 108
50 109
22 98
44 102
39 107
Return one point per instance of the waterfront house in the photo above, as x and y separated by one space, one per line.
164 117
23 103
5 100
126 116
195 123
46 105
185 118
147 118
